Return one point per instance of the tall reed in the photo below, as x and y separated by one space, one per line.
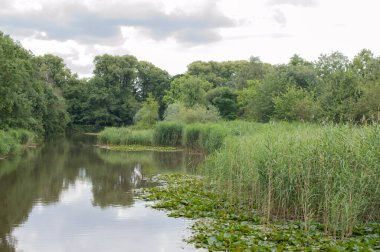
328 174
168 133
125 136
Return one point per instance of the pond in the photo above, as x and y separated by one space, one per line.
68 195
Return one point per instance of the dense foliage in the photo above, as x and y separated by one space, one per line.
29 95
12 141
42 95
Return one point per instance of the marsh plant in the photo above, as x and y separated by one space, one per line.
327 174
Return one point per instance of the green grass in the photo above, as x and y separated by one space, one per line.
12 141
302 172
209 137
203 137
125 136
168 133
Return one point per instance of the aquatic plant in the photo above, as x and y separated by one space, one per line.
305 172
168 133
125 136
221 225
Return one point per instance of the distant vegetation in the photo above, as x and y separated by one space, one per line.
40 94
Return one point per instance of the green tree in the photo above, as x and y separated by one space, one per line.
27 100
338 87
217 73
147 115
189 90
151 79
255 70
53 70
296 105
225 100
111 92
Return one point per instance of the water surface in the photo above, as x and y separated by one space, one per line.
69 196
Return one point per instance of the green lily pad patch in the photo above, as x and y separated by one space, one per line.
232 227
139 148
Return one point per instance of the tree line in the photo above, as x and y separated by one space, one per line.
41 94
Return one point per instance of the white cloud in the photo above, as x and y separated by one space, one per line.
173 33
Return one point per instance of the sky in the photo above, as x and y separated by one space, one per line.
173 33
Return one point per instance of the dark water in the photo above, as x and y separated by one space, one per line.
69 196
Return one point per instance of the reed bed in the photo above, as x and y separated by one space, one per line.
326 174
202 137
168 133
125 136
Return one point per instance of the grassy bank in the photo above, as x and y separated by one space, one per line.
12 141
202 137
225 226
303 172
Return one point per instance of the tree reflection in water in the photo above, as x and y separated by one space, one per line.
41 175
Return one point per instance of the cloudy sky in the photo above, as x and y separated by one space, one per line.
173 33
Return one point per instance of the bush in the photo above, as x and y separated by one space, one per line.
178 112
168 133
147 116
11 141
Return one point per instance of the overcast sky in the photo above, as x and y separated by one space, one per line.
173 33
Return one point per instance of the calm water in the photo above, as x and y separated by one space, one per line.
69 196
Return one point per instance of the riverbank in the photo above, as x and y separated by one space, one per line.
15 140
225 226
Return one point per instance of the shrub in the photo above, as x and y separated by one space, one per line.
11 141
147 115
202 114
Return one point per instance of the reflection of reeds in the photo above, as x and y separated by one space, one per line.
329 174
151 162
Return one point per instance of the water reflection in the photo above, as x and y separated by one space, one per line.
69 196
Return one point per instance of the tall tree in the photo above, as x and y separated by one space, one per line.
153 80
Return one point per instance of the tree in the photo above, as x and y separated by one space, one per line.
27 100
295 105
189 90
111 92
255 70
225 100
147 115
151 79
53 70
217 73
331 63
